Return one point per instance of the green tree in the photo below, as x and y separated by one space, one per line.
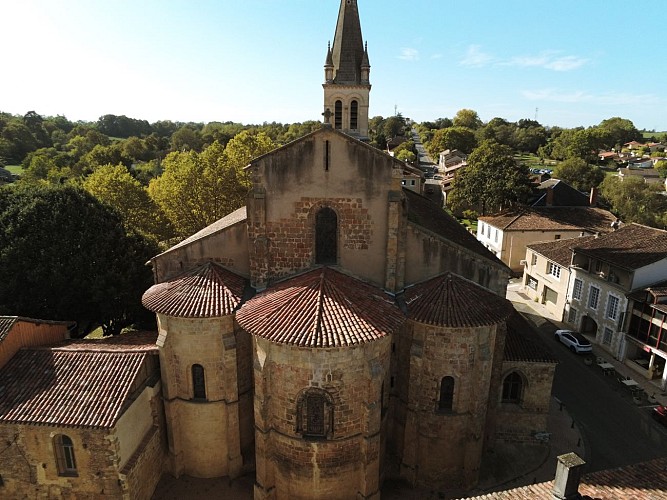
492 179
614 132
115 186
186 139
635 201
661 167
66 256
579 174
467 118
460 138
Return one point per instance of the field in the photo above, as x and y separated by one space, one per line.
15 169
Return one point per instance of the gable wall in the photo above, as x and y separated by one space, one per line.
29 334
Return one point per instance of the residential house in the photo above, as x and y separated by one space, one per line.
605 271
557 193
546 274
451 160
649 175
508 233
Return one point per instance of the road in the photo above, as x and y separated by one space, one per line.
616 432
424 159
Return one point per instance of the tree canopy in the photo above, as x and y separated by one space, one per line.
633 200
66 256
492 179
461 138
579 174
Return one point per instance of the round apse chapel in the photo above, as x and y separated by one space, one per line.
322 346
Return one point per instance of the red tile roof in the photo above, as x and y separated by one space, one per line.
452 301
208 291
558 251
321 308
521 344
590 219
632 246
75 384
643 481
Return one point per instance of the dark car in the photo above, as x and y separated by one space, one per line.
660 414
575 341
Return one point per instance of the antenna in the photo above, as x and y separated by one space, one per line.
536 109
395 109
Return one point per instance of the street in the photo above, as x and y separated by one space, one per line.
616 432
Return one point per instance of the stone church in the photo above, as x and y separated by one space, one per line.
335 332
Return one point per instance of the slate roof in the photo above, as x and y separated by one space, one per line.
591 219
564 195
452 301
642 481
520 344
239 215
322 308
348 52
632 246
207 291
75 384
558 251
422 212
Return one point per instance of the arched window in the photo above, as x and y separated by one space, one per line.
512 388
65 460
315 414
446 394
338 115
198 382
326 236
354 113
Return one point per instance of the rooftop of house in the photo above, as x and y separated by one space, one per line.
558 251
82 383
519 343
589 219
562 195
7 322
632 246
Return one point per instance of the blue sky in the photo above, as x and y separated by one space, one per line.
570 62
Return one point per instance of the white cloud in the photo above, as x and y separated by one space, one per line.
437 56
409 54
475 58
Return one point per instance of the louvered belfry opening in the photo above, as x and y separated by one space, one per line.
326 237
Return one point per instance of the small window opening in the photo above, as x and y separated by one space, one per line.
354 113
64 448
446 394
326 236
338 115
198 382
512 386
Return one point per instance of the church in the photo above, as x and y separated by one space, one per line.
337 331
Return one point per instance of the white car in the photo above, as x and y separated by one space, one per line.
575 341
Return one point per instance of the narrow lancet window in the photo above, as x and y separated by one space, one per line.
326 237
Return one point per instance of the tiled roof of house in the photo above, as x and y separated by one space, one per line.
520 344
422 212
642 481
239 215
632 246
75 384
552 219
558 251
452 301
321 308
564 195
206 291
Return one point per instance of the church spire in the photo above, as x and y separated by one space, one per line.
347 75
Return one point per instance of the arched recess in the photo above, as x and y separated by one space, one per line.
354 114
338 114
513 389
326 236
65 459
315 414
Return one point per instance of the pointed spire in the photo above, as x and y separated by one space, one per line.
348 47
329 60
365 63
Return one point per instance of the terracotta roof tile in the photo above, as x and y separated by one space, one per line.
78 383
321 308
452 301
520 344
6 324
632 246
207 291
642 481
424 213
590 219
558 251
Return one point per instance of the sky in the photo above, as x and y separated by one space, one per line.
567 63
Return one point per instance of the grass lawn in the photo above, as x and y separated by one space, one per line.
15 169
533 161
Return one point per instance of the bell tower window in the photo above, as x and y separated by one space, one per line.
326 237
354 113
338 115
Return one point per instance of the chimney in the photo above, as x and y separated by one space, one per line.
568 474
550 196
593 200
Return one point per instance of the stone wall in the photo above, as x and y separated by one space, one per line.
144 469
518 423
345 464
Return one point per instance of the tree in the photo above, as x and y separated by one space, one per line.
115 186
492 178
66 256
576 143
460 138
467 118
614 132
635 201
579 174
186 139
661 167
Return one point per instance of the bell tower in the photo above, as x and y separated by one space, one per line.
347 75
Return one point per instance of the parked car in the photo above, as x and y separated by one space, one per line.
575 341
660 414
